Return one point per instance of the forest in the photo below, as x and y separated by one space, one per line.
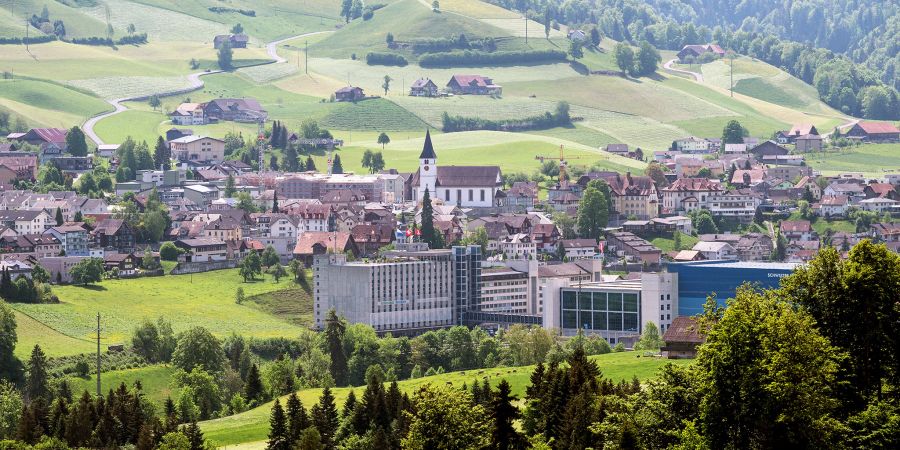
847 50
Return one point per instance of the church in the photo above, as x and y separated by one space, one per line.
464 186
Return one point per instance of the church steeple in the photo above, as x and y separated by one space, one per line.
427 149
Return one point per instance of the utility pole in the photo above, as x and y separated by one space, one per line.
306 56
731 77
98 355
525 16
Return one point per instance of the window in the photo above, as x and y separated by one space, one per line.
447 195
471 195
482 195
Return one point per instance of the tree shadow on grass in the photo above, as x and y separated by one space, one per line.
93 287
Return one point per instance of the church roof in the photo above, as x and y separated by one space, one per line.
464 176
428 149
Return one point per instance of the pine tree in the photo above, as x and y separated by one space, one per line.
310 164
27 429
334 337
253 388
38 384
59 217
278 432
161 154
298 420
194 435
275 201
349 404
325 418
428 232
503 412
336 166
289 161
58 416
273 138
273 163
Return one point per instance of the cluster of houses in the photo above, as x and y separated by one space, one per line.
245 110
426 87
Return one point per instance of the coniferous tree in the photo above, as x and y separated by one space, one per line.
349 404
504 435
310 164
325 418
194 435
38 384
162 155
297 419
334 337
336 166
59 217
253 388
278 432
289 161
429 234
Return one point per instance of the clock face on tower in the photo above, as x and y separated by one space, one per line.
426 168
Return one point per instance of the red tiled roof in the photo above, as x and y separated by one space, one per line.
878 127
684 329
796 226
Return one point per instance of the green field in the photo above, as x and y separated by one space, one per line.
874 160
155 383
186 300
77 23
253 425
49 104
668 244
53 342
294 305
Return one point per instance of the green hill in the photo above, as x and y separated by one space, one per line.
42 103
252 426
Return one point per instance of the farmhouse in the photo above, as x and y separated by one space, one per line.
874 132
695 51
20 166
473 85
188 114
198 149
464 186
203 249
423 87
234 109
349 94
808 143
314 243
768 148
682 338
235 40
801 129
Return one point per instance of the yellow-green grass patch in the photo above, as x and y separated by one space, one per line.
205 299
253 425
140 125
77 23
874 160
159 24
156 383
54 343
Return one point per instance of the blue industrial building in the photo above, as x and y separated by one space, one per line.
697 280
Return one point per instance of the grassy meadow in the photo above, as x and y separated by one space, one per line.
48 104
205 299
252 426
874 160
156 382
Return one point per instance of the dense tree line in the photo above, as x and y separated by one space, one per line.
559 118
385 59
459 42
467 58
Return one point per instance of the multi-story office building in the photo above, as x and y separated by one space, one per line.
615 310
406 291
504 290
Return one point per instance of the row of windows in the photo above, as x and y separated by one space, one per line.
601 321
600 301
459 195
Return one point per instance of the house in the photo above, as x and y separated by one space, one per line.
59 266
801 129
175 133
690 52
806 183
314 243
688 194
748 177
40 245
73 164
188 114
107 150
688 256
239 40
349 94
735 149
692 145
886 190
753 247
576 35
874 132
545 236
464 186
834 205
17 167
624 243
473 85
113 233
521 194
73 239
617 149
715 250
634 196
880 205
738 204
423 87
797 230
198 149
517 246
125 263
886 232
768 148
370 238
27 222
579 248
203 249
682 338
808 143
44 137
234 109
854 190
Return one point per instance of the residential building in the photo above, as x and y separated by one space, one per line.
834 206
313 243
754 247
188 114
623 243
201 194
198 149
27 222
880 205
874 132
246 110
113 233
688 194
504 290
715 250
16 166
692 52
809 143
349 94
682 338
73 239
517 246
423 87
203 249
797 230
579 248
473 85
768 148
736 204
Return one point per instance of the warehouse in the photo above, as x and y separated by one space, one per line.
697 280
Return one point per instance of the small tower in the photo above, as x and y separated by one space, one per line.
427 169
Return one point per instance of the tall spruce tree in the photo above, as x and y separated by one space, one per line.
278 431
336 166
298 419
253 387
428 231
325 418
504 435
310 164
59 217
38 383
162 155
334 339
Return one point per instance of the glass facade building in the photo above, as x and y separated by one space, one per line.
697 280
600 310
467 280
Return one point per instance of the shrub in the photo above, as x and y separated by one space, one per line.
385 59
481 58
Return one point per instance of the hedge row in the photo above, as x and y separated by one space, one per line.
385 59
479 58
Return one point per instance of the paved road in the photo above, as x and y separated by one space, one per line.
195 83
668 66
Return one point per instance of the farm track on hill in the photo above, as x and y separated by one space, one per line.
195 83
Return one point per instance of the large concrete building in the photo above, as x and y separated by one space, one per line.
698 280
405 291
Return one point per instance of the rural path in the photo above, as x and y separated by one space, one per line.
193 79
668 66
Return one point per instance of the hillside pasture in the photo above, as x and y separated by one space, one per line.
49 104
126 87
77 23
205 299
139 125
160 24
156 383
375 114
253 426
52 341
874 160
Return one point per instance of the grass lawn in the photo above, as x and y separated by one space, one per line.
205 299
294 305
155 383
49 104
871 159
253 425
140 125
668 244
375 114
77 23
53 342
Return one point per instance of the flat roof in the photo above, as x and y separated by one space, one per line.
733 264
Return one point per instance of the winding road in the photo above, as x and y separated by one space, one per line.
668 66
195 83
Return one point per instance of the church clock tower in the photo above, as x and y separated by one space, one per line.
427 169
